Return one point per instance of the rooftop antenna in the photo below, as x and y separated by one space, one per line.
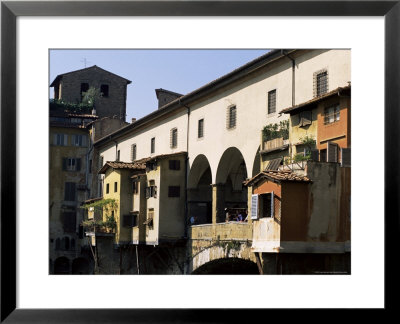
85 61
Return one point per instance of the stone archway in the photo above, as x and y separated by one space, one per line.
256 163
227 266
61 266
229 191
200 191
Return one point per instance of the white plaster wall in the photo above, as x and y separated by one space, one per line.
160 130
250 98
337 62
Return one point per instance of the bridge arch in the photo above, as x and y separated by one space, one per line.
223 258
200 191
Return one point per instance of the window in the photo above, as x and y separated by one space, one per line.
271 101
71 164
231 118
149 220
118 155
69 222
78 140
267 205
151 166
129 220
174 191
115 186
84 88
320 83
90 166
104 90
173 138
69 191
60 139
153 145
331 114
332 152
200 128
323 155
305 118
135 187
133 152
151 190
174 164
107 188
101 162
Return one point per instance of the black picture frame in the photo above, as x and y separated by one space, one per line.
10 10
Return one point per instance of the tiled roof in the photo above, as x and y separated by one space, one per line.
277 176
162 156
315 100
83 116
136 165
92 200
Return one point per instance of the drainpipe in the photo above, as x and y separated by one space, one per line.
186 166
293 74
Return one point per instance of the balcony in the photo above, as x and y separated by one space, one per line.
277 144
238 231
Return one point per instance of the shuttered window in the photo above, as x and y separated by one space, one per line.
133 152
60 139
231 117
254 206
305 118
69 191
173 138
151 191
346 157
268 204
332 152
71 164
271 101
135 187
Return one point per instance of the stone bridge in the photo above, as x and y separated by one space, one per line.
221 248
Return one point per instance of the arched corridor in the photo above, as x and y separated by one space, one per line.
200 191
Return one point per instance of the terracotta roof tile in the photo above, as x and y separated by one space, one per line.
277 176
315 100
136 165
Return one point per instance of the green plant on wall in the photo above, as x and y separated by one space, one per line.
273 131
91 96
308 142
103 205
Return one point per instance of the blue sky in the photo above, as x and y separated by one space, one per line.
180 71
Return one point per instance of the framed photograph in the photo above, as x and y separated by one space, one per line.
347 50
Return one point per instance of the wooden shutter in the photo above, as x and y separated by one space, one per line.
346 157
314 155
272 205
147 192
84 140
332 152
254 206
78 164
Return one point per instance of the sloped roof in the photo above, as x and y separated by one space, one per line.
313 101
136 165
59 77
163 156
276 176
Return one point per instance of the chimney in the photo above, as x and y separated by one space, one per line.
133 120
